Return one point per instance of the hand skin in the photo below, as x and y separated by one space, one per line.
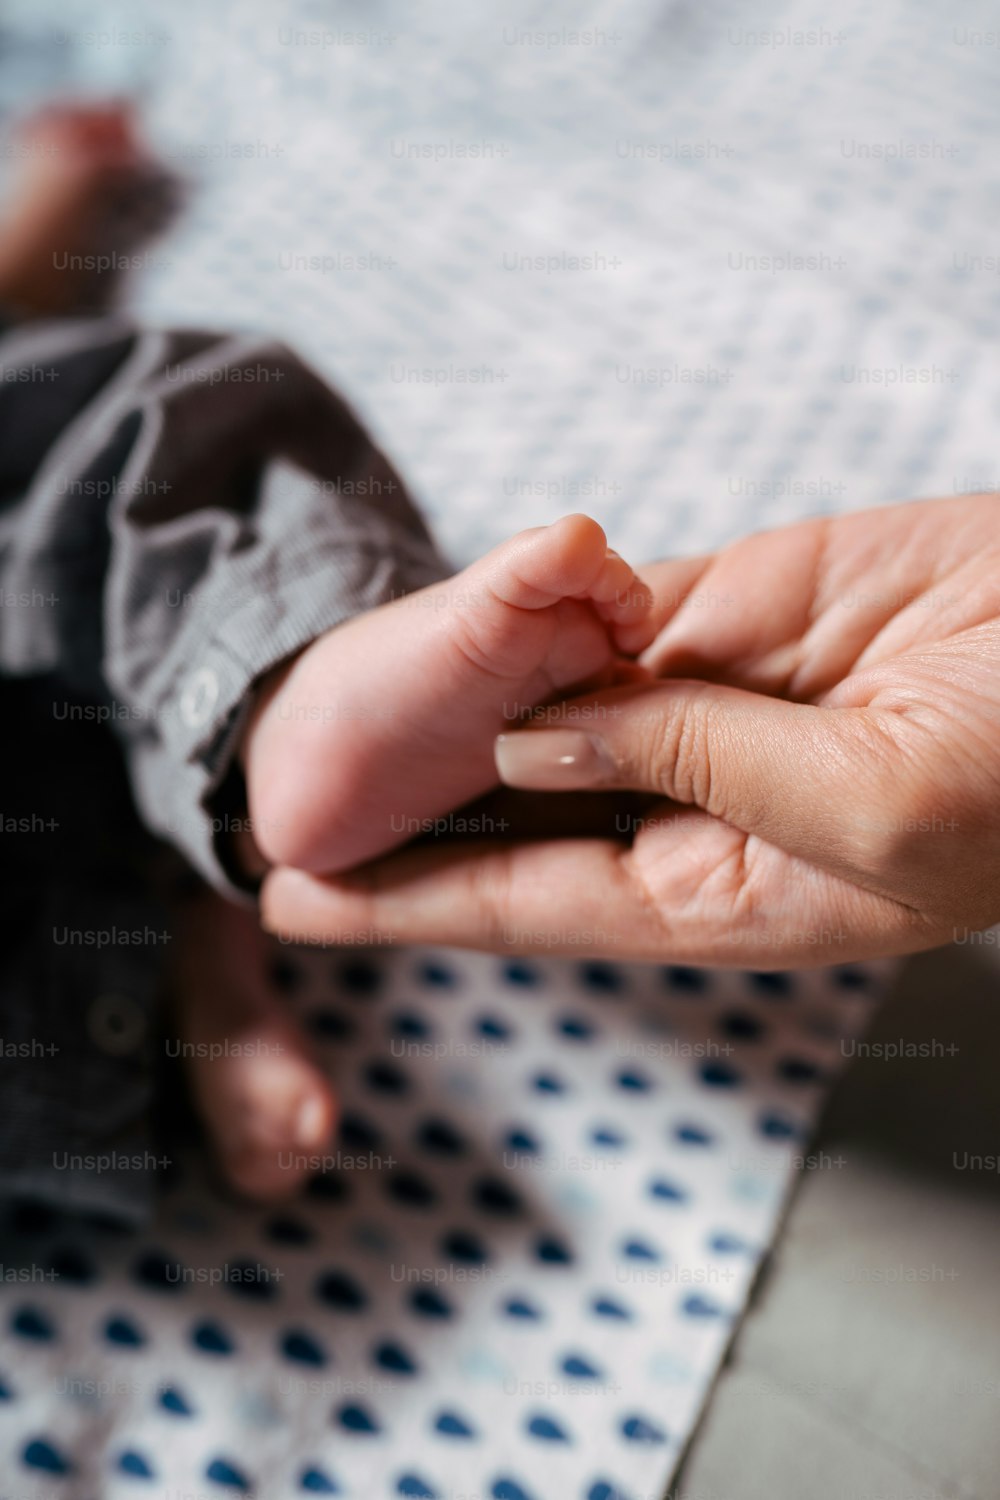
825 746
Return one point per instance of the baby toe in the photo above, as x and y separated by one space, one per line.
620 595
536 568
275 1131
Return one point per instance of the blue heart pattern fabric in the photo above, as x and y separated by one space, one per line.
492 1285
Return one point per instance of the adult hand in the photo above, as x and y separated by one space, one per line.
825 745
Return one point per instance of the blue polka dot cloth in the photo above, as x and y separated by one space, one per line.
694 272
513 1275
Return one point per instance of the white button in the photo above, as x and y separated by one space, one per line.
199 697
116 1024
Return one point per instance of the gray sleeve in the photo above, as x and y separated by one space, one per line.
197 508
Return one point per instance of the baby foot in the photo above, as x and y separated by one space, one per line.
387 722
85 194
265 1105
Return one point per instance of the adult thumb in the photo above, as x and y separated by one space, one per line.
817 782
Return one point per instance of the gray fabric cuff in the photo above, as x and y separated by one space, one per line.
200 713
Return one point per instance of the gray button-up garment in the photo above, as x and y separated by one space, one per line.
179 511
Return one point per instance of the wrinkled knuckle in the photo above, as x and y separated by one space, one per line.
684 763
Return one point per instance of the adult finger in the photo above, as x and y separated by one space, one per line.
691 890
498 896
